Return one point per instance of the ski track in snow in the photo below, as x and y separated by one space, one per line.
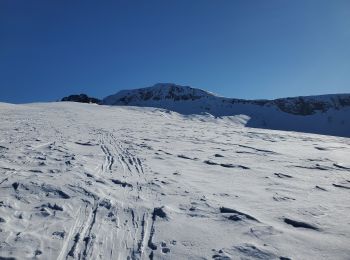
96 182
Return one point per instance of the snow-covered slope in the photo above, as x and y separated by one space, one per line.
327 114
81 181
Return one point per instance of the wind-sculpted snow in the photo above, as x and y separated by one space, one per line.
83 181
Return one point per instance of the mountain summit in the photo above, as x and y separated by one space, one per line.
157 93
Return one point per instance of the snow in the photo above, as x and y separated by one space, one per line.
324 114
82 181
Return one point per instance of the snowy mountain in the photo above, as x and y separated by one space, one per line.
80 181
325 114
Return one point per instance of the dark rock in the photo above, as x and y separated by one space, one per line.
82 98
229 210
159 212
300 224
15 185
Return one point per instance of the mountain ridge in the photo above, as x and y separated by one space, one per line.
320 114
150 96
166 84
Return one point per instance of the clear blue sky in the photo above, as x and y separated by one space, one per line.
236 48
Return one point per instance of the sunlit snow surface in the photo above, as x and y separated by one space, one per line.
96 182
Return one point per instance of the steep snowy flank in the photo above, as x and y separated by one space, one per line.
81 181
326 114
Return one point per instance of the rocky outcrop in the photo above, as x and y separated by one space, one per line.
82 98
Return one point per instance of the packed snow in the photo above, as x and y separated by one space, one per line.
82 181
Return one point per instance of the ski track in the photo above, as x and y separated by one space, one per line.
118 162
147 184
